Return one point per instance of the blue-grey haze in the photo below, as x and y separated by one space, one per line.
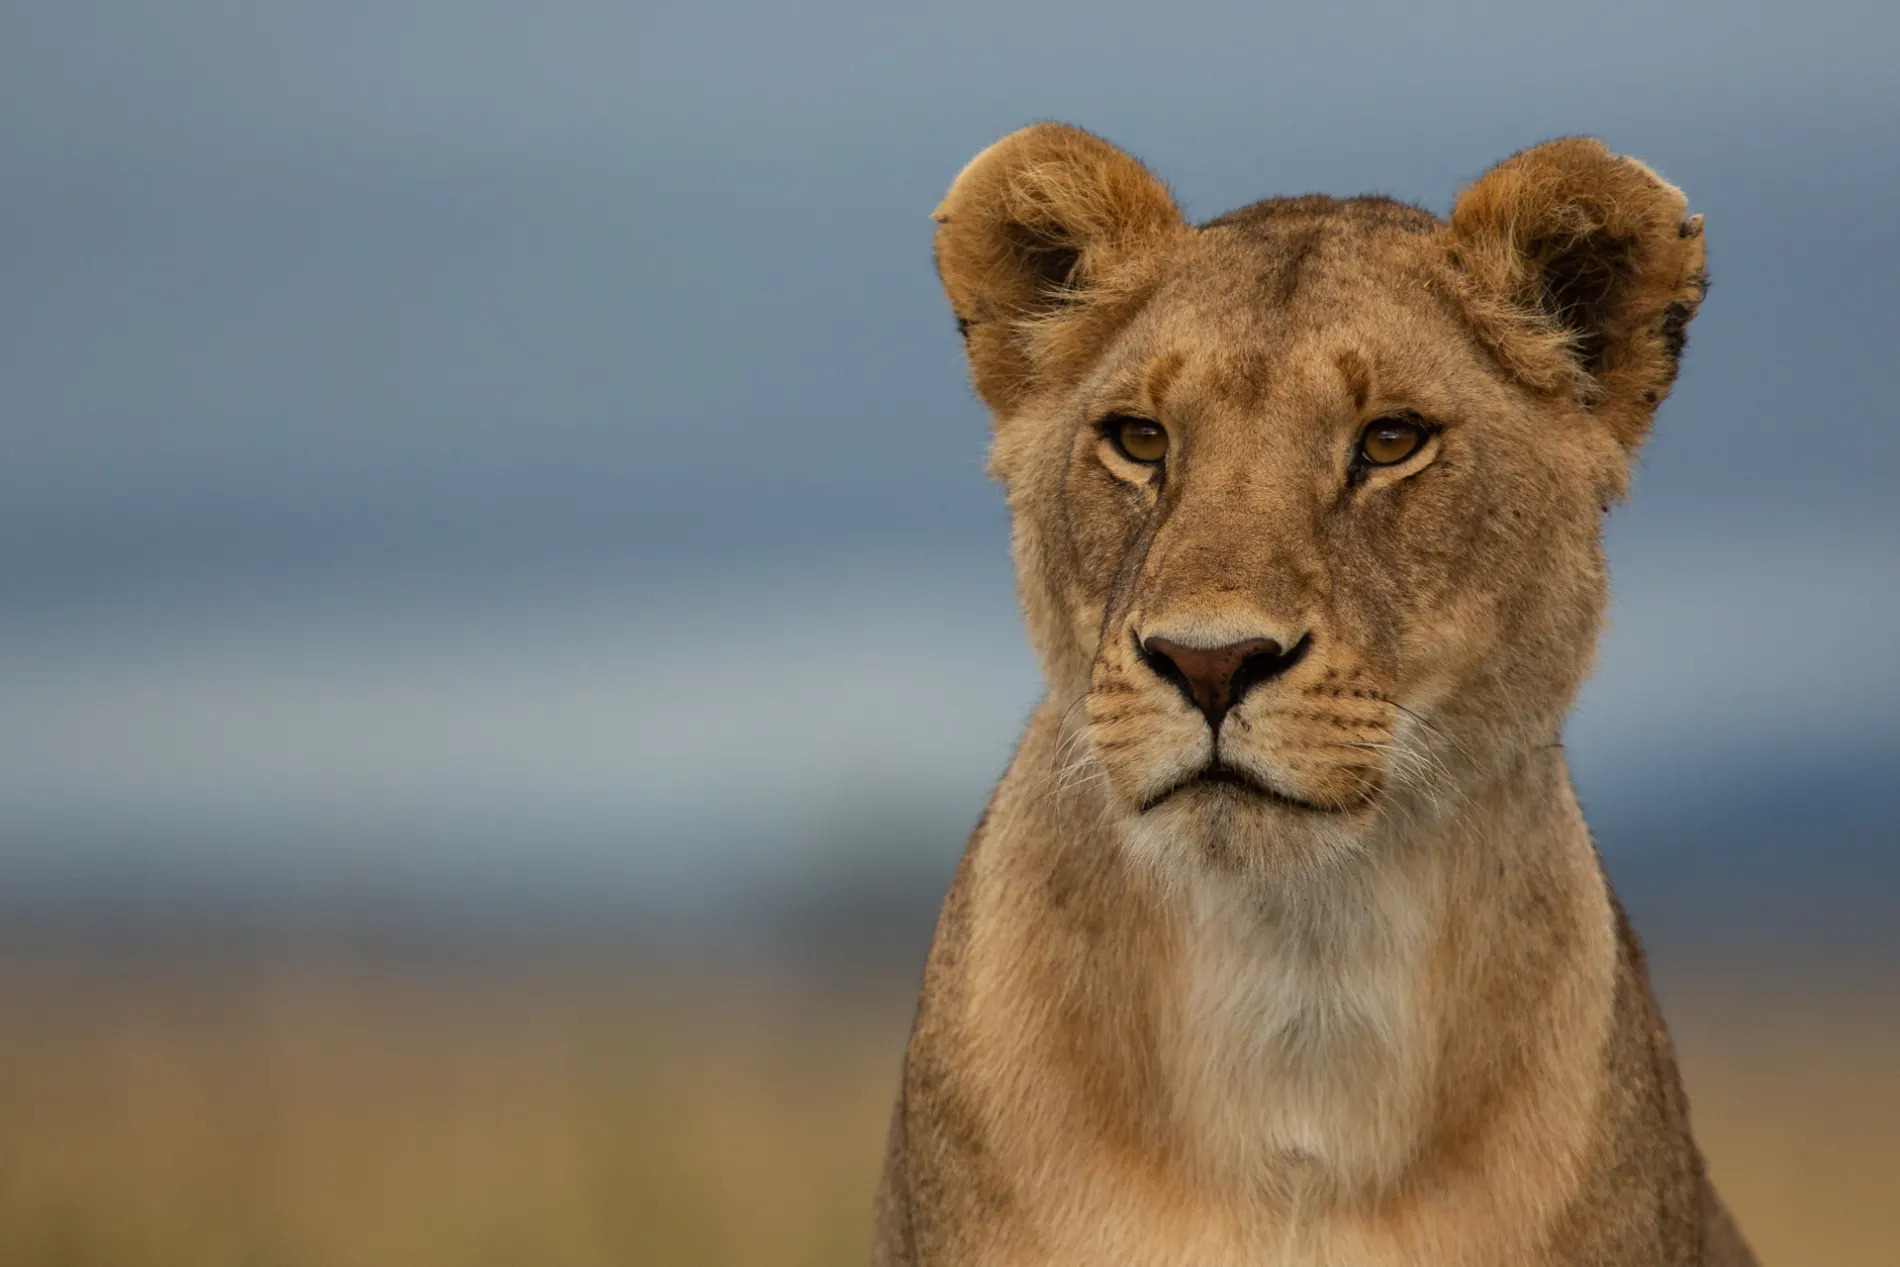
469 446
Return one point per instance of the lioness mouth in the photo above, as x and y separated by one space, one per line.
1218 774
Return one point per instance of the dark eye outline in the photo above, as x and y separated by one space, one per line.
1111 429
1362 462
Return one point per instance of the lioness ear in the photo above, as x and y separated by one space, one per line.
1040 243
1584 274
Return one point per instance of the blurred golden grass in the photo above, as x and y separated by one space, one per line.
1796 1098
336 1118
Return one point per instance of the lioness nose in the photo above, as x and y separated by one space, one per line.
1215 678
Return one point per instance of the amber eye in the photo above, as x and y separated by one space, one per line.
1138 439
1391 440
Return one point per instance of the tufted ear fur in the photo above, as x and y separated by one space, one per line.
1583 273
1042 244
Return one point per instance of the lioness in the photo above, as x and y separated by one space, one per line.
1283 940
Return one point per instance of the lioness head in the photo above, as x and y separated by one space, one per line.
1308 498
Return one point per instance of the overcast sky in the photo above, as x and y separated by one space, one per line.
464 427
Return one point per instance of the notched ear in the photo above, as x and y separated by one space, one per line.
1041 244
1583 271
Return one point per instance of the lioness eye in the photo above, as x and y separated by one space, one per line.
1390 440
1138 439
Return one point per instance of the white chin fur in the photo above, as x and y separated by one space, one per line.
1196 833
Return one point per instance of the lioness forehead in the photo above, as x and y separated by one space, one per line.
1285 289
1294 264
1316 210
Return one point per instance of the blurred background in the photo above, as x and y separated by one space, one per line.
503 630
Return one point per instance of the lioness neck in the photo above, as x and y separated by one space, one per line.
1404 1014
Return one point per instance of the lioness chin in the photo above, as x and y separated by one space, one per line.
1283 940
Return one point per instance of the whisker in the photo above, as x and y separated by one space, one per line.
1431 726
1409 767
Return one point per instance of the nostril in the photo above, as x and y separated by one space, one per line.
1154 654
1215 678
1264 666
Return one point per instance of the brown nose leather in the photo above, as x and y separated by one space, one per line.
1215 678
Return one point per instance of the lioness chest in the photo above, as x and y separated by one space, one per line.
1126 1225
1287 1102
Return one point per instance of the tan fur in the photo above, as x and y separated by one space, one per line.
1381 1009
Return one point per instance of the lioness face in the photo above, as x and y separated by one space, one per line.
1308 499
1317 541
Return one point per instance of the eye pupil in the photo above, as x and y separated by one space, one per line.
1140 440
1391 441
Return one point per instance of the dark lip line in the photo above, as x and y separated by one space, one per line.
1217 772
